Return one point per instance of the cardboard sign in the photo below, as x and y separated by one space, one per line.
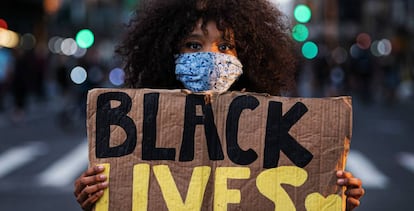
170 150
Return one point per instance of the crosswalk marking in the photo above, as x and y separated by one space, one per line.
63 172
363 168
16 157
406 160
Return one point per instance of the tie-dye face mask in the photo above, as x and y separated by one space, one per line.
207 71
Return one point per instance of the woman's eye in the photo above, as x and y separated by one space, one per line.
193 45
225 47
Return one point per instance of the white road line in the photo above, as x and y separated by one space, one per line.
406 160
363 168
63 172
17 157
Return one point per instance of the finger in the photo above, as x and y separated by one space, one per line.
344 174
84 182
91 190
347 174
94 170
89 172
350 182
92 199
353 183
351 203
355 192
88 178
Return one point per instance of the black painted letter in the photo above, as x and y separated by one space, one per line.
107 116
149 131
191 120
278 138
235 153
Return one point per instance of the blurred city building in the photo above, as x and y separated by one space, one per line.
354 47
364 49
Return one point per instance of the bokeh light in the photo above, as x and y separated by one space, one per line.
78 75
117 76
27 41
5 57
85 38
80 52
363 41
55 44
302 13
300 32
8 38
68 46
406 89
339 55
374 48
51 44
65 46
355 51
3 24
384 47
51 6
310 50
337 75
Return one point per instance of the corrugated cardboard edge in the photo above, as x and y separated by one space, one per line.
347 144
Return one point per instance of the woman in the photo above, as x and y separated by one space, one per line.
207 45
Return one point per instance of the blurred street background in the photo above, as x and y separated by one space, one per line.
53 51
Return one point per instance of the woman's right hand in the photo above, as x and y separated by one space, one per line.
89 187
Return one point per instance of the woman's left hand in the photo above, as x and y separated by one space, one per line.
354 190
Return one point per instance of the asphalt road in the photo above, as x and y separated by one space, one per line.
35 172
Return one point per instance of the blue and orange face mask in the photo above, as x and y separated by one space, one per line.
207 71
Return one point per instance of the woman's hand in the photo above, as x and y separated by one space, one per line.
354 190
89 187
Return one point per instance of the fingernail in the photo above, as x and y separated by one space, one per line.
104 184
341 181
100 168
339 173
102 177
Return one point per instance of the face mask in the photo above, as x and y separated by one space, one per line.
204 71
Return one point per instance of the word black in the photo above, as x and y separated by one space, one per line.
277 137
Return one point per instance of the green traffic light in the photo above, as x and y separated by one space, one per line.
302 13
85 38
310 50
300 32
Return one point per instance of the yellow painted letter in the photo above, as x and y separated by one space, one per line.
222 195
316 202
269 184
103 203
196 188
140 186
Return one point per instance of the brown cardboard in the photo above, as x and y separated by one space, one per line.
238 181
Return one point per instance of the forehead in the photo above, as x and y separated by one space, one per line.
211 28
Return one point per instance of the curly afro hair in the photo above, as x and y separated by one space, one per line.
261 31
